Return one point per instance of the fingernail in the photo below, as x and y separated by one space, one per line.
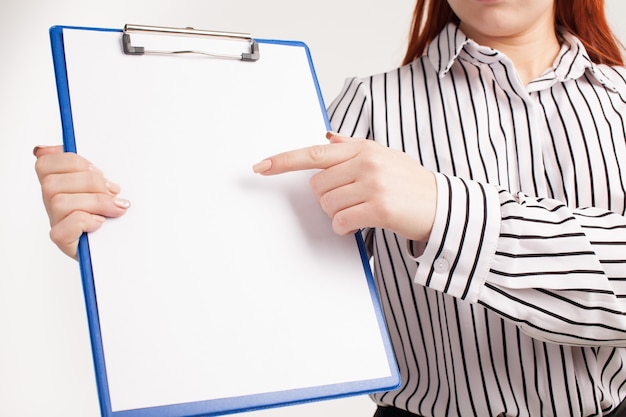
330 134
262 166
121 203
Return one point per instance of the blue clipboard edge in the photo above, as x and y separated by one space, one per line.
226 405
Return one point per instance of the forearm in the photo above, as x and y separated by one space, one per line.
556 272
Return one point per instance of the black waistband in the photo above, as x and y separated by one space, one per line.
392 412
619 411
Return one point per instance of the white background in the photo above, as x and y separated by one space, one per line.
45 357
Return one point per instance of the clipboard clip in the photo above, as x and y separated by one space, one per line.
251 55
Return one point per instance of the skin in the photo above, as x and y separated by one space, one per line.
364 184
359 183
76 195
523 30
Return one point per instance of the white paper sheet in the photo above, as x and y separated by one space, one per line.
217 282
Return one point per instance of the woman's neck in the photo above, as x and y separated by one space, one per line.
532 52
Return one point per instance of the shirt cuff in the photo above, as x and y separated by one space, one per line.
462 244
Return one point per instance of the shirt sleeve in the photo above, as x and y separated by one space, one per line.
558 273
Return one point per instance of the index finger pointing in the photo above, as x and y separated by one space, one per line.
312 157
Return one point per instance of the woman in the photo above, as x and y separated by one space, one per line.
492 193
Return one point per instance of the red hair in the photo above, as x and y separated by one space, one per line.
585 19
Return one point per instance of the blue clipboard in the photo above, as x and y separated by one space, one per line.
133 293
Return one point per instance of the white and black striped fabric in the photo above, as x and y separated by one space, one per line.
516 306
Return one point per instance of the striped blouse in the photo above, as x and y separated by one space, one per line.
516 306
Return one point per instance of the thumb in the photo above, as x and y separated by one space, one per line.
337 138
41 150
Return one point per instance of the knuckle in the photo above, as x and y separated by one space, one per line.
47 187
377 186
314 183
341 223
317 153
70 228
55 234
94 181
77 162
58 202
369 162
40 165
384 211
102 200
58 235
325 202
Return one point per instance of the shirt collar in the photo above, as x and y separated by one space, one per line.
572 62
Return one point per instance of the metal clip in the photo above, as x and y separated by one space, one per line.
252 54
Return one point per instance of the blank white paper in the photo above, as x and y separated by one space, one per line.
217 282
